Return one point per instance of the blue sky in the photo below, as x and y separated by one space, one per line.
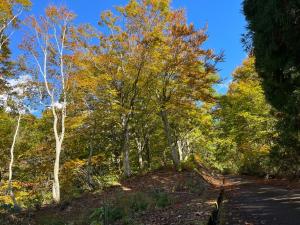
225 22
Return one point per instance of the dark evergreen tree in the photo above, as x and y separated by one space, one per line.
274 35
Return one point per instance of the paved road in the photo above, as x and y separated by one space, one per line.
249 203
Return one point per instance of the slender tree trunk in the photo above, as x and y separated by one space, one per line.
56 186
10 188
188 150
127 117
171 142
58 147
59 136
125 147
89 168
180 149
140 147
147 148
117 161
89 164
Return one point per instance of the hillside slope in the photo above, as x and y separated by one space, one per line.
160 197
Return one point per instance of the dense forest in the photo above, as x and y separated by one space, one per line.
83 107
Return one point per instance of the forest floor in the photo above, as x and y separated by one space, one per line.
253 201
185 198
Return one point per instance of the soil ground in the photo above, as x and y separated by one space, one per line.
193 199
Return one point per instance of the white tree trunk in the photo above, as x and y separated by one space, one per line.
56 186
59 137
140 147
10 188
51 37
188 150
180 149
183 148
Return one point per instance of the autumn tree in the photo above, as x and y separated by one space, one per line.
9 17
10 12
185 72
150 48
246 123
48 48
127 58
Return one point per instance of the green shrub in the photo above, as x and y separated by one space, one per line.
6 207
139 202
125 206
97 216
106 215
188 165
162 199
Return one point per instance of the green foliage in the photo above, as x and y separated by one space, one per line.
6 130
246 124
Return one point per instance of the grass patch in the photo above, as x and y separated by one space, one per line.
162 199
125 206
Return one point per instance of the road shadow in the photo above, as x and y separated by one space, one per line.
249 202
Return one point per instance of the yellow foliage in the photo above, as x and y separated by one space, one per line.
73 164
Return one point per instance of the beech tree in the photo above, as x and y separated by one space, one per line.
47 45
127 58
150 48
185 74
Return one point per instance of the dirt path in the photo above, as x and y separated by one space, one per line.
255 203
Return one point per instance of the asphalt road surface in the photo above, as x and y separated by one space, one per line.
250 203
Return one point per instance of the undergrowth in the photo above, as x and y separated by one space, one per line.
125 206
